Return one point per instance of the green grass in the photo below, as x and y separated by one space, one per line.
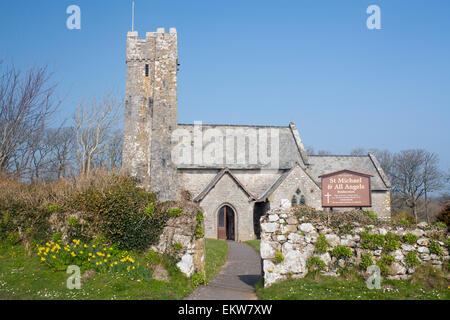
25 277
330 288
216 255
255 244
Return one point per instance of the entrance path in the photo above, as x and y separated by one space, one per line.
237 278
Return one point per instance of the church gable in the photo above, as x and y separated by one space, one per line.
212 184
226 190
320 165
295 185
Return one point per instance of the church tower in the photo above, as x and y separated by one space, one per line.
151 111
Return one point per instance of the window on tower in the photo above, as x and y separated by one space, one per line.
146 70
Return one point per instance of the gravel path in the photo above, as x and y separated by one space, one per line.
237 278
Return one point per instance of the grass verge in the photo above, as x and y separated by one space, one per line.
255 244
216 255
331 288
24 277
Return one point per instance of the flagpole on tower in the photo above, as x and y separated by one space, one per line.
132 15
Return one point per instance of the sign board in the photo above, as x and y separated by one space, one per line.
346 188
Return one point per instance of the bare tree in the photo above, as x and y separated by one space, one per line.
111 157
323 152
358 152
93 124
407 175
114 150
310 150
26 103
432 177
61 144
386 160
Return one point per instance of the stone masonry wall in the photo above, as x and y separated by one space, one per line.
295 238
181 230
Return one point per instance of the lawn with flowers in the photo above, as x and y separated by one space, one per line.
107 273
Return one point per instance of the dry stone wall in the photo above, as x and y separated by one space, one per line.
289 240
179 239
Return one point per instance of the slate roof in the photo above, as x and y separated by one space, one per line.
291 149
320 165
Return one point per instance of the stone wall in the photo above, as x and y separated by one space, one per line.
293 237
181 230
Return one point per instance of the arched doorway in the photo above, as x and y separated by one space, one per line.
225 223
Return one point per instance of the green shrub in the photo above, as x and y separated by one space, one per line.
73 222
315 264
74 229
435 248
404 217
366 261
12 238
198 279
441 224
341 252
384 262
371 214
118 213
199 233
57 237
175 212
153 257
177 246
371 241
322 244
410 238
99 240
391 242
150 209
411 259
279 258
447 244
52 208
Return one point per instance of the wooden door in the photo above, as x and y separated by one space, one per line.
225 224
221 224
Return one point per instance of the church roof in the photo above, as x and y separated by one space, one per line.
324 164
291 149
215 180
274 186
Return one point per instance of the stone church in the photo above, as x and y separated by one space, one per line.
234 172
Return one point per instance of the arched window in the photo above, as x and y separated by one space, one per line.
298 198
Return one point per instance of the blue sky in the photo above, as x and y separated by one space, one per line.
263 62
